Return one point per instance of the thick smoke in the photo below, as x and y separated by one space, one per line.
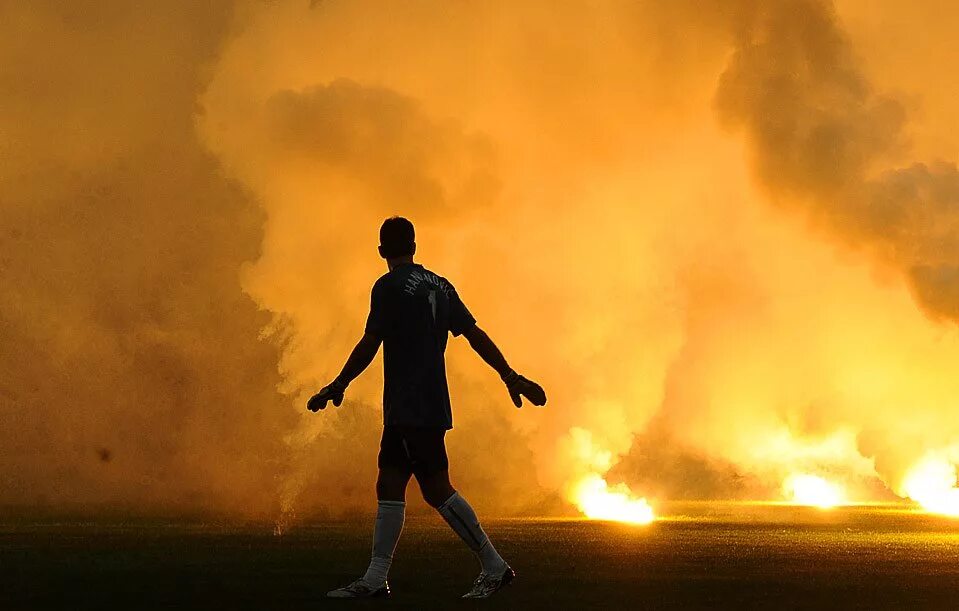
822 136
591 187
130 372
190 197
824 140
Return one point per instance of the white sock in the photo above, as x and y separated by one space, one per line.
462 519
390 516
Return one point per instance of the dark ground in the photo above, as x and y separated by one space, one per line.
710 556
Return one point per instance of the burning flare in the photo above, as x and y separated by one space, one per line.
592 495
598 501
812 490
932 483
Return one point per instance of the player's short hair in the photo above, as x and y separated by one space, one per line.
397 238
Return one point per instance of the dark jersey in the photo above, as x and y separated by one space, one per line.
413 310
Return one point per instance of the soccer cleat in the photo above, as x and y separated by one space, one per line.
486 584
361 589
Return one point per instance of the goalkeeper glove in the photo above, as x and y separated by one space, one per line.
518 387
331 392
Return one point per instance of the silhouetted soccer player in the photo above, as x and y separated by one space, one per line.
411 312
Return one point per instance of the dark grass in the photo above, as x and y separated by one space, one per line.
714 556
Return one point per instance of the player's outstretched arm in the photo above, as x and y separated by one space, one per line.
517 385
359 360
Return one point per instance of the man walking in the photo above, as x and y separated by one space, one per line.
412 311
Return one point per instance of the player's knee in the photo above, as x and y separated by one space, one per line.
385 492
433 499
391 486
437 493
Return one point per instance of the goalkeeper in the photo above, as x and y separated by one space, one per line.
412 311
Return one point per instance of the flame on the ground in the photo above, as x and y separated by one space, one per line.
933 484
812 490
599 501
592 494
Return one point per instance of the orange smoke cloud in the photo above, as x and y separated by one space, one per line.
717 233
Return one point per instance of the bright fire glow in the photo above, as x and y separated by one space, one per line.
598 501
590 492
932 484
812 490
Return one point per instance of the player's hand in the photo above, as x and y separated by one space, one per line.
331 392
518 387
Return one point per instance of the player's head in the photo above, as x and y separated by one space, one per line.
397 238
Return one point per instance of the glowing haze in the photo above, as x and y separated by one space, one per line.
723 235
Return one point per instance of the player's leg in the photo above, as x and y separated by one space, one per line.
394 475
390 516
431 467
391 484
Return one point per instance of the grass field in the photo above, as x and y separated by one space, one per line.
706 556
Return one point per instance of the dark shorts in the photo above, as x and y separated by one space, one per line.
417 450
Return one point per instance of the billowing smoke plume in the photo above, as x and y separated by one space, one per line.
822 137
824 140
190 198
130 373
580 180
